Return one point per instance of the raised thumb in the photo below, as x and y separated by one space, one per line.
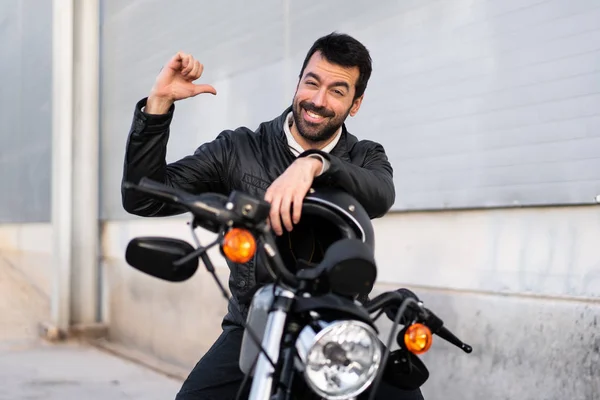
203 88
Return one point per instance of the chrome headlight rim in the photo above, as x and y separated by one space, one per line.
310 338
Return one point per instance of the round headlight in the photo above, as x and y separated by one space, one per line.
341 360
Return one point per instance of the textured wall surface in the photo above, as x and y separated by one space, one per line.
521 286
176 323
523 348
25 110
27 248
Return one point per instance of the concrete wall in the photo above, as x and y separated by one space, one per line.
174 322
521 286
27 249
525 347
25 280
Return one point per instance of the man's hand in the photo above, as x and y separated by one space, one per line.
175 82
290 188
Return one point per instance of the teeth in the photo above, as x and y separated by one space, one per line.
313 115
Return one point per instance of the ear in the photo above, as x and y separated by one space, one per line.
356 105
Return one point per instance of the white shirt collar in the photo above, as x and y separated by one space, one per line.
295 146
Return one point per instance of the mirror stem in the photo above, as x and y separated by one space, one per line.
198 253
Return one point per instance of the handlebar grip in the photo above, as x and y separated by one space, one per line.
437 327
451 338
152 189
160 189
207 206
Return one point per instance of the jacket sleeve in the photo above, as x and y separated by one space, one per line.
204 171
370 183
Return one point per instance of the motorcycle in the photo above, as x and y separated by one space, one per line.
307 334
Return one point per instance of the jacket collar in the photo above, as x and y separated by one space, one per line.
341 148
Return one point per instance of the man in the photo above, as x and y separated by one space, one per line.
307 145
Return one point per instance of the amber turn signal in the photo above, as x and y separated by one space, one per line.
418 338
238 245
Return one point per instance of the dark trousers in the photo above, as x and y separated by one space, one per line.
217 375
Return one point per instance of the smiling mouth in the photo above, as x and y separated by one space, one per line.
313 117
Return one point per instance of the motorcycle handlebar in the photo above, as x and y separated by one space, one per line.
206 206
156 190
390 301
214 208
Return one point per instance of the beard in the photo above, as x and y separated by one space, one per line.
320 132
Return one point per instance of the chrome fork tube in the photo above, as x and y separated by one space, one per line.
262 383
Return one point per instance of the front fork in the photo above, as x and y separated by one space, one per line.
286 375
262 383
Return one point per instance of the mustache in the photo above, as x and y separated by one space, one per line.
308 106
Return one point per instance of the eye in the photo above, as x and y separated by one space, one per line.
338 92
311 83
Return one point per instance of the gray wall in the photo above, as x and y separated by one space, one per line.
479 103
522 286
490 103
25 110
524 348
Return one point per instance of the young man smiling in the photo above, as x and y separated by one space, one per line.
308 144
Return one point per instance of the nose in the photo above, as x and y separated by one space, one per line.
319 98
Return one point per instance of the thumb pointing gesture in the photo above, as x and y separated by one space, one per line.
176 82
203 88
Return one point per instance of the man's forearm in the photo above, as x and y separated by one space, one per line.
374 190
371 184
145 157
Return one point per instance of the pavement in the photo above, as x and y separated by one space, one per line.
31 368
75 371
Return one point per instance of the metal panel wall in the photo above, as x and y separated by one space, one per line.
478 103
25 110
241 47
490 103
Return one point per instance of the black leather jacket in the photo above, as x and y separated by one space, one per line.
249 161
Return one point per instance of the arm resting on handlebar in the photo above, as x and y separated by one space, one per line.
371 183
204 171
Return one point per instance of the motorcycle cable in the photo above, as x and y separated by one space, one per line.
386 353
211 269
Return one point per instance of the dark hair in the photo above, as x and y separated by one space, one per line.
343 50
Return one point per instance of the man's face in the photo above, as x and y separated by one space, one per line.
324 98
